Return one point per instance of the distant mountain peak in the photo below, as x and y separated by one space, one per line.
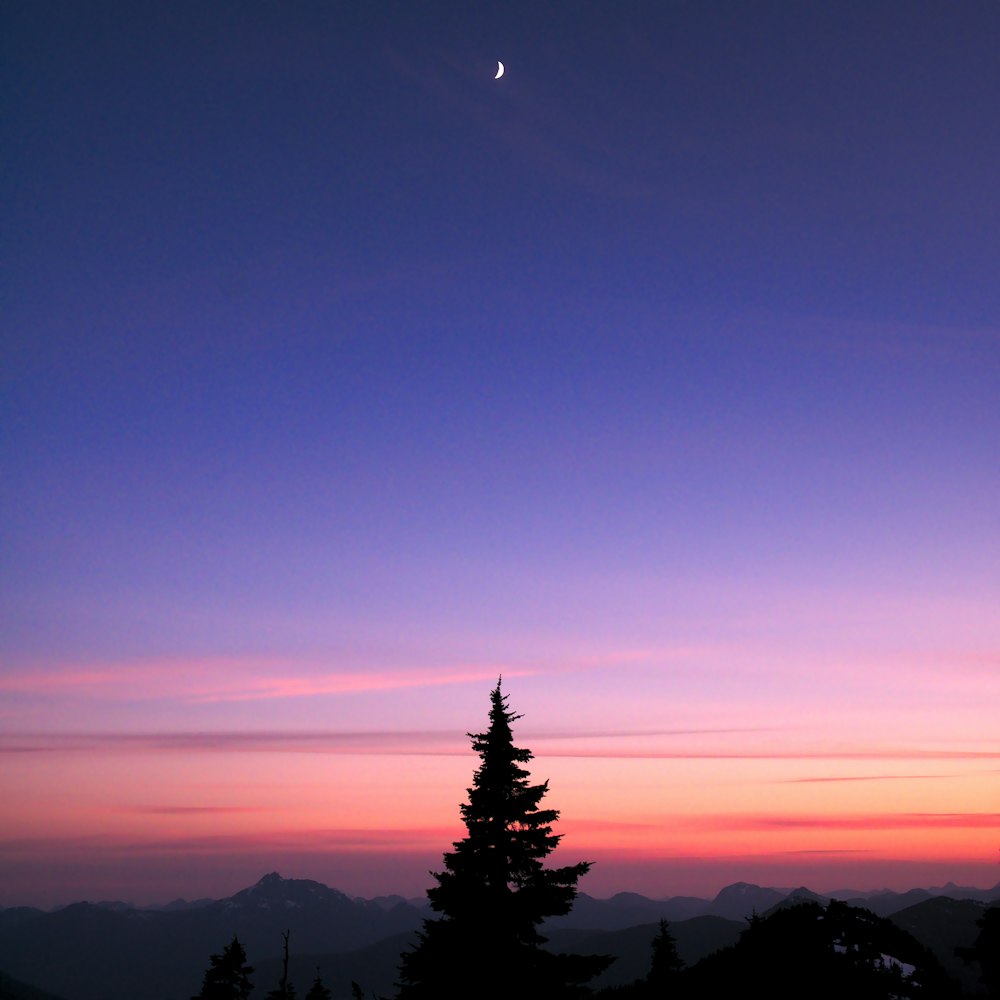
273 881
802 892
739 900
272 878
274 890
738 889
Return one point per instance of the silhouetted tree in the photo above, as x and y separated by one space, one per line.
284 990
318 991
666 964
986 951
823 953
494 890
228 975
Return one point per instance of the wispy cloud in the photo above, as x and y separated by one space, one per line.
409 742
194 810
901 341
881 821
876 753
565 744
833 852
585 825
305 686
537 118
868 777
412 741
225 679
354 839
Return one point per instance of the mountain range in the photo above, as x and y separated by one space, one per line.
105 950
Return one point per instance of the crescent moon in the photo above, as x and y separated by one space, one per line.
499 70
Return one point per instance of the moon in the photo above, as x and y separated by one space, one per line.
499 70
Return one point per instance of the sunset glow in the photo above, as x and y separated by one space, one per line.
341 379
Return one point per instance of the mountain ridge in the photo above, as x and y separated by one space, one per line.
113 949
733 890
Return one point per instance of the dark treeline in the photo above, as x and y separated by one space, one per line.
823 952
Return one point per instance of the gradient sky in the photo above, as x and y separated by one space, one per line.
661 376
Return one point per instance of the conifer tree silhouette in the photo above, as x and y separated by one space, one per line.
318 990
666 964
495 891
986 951
227 976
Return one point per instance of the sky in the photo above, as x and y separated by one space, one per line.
659 376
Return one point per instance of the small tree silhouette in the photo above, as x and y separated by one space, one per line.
494 890
666 964
284 990
318 990
227 976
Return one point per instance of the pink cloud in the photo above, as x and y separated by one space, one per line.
454 742
883 821
375 742
224 679
901 753
195 810
359 839
867 777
